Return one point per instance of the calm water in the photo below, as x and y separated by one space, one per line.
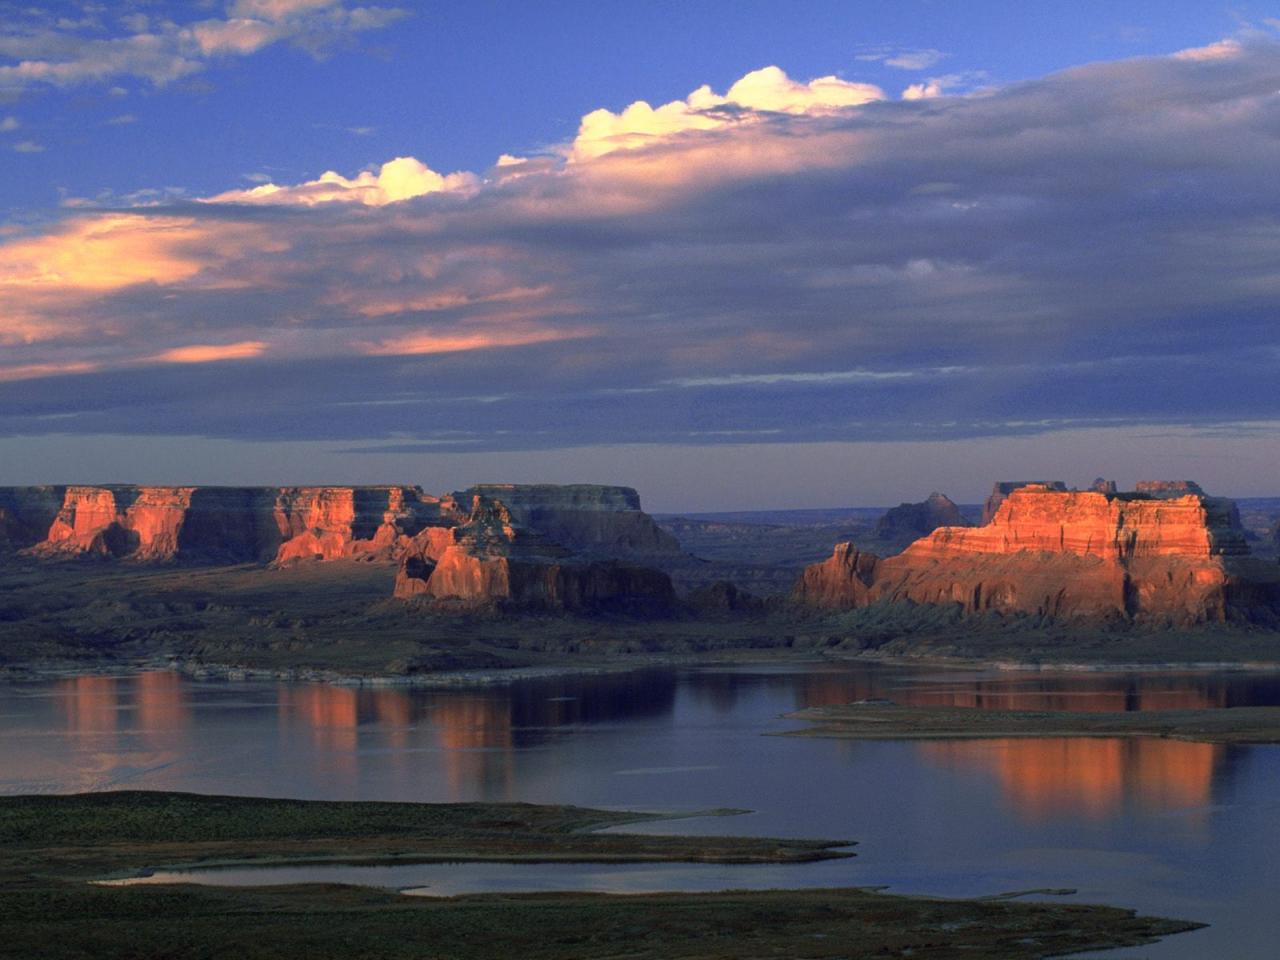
1183 829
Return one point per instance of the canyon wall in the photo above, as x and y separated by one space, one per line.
1164 555
494 558
222 524
587 518
540 545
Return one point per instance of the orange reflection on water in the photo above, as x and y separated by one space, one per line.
1047 777
163 715
328 716
90 704
476 735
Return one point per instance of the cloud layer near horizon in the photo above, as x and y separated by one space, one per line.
787 260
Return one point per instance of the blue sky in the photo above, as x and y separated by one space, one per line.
916 244
458 84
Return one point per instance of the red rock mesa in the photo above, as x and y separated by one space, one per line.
1166 553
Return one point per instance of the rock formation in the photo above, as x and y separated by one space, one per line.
1147 556
912 520
1003 488
291 524
587 518
557 548
376 523
492 558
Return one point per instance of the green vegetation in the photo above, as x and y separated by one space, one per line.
885 721
49 847
78 830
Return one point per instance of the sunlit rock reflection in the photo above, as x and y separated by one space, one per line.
1096 778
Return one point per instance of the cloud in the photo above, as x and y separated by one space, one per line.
429 342
37 49
277 10
9 124
903 58
28 146
1221 50
787 260
768 90
210 353
938 86
400 179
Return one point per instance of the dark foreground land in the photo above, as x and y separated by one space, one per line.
338 620
51 846
888 721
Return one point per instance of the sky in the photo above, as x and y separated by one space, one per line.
739 255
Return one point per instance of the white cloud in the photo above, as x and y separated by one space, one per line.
400 179
937 86
28 146
161 51
768 90
8 124
1221 50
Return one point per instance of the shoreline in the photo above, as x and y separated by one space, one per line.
629 663
56 846
879 720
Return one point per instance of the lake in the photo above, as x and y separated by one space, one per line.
1180 829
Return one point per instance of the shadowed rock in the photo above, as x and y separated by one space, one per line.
493 559
912 520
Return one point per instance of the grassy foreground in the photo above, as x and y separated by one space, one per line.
887 721
49 847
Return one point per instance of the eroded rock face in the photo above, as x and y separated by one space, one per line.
912 520
374 523
291 524
1063 553
1003 488
842 581
492 558
589 519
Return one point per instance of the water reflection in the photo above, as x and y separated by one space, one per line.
1041 779
139 722
90 705
1086 692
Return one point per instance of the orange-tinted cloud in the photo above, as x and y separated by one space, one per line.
104 252
33 371
210 353
428 342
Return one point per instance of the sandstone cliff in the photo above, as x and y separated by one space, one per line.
1060 553
559 548
377 523
1003 488
492 558
291 524
587 518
